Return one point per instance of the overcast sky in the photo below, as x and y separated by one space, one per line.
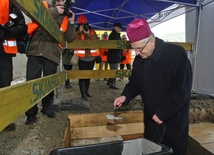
171 29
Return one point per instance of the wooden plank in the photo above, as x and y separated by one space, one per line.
99 119
67 137
209 147
203 133
187 46
96 125
107 130
134 136
110 44
85 74
17 99
113 44
36 10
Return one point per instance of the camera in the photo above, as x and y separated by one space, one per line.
13 20
67 4
86 27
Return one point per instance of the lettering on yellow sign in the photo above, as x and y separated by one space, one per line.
42 14
41 88
123 44
123 73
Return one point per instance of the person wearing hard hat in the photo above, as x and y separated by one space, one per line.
162 75
86 56
127 57
103 54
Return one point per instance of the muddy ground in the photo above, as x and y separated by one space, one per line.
47 134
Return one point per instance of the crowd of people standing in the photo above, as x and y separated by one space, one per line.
161 74
42 63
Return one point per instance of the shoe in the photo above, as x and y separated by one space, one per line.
67 84
84 97
113 87
51 115
87 94
108 84
10 127
30 120
121 79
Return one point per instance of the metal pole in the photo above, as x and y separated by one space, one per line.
198 21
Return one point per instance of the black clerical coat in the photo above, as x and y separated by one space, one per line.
164 81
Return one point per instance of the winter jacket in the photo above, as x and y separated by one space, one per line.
103 52
14 32
114 55
164 81
127 53
86 54
42 44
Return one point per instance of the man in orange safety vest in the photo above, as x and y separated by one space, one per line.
12 27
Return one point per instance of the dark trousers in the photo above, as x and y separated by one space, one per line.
67 67
105 65
36 67
84 83
172 133
154 131
128 66
6 71
112 81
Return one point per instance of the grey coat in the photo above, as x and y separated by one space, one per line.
42 44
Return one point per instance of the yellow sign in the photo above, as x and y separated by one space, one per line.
22 97
37 11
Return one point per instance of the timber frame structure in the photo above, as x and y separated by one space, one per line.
23 96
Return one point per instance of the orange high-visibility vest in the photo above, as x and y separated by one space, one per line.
33 26
9 45
81 52
64 24
102 52
4 15
128 54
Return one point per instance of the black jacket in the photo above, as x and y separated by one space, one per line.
164 81
114 55
19 29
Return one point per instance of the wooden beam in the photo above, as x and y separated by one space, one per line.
187 46
85 126
17 99
86 74
110 44
36 10
98 119
113 44
107 130
203 133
